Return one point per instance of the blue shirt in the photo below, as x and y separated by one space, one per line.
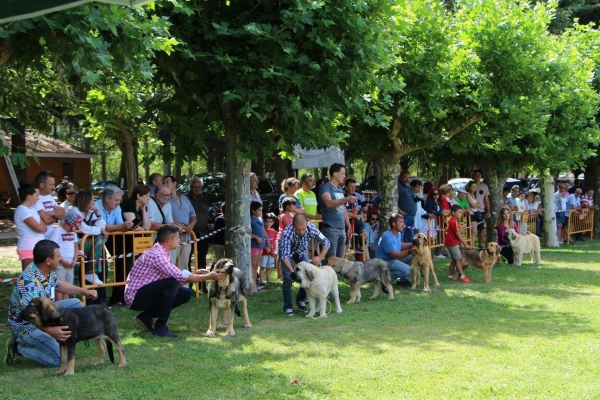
112 217
290 243
406 200
258 229
332 217
183 212
388 244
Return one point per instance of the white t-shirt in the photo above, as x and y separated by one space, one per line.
481 192
66 241
46 203
27 236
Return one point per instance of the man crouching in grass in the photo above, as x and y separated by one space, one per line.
155 286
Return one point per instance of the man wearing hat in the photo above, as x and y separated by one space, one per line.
70 197
66 238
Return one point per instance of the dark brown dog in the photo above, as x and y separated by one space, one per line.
224 295
93 322
483 259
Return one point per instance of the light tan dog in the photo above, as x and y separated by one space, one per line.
483 259
421 262
356 273
523 244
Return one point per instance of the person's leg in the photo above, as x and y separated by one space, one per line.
286 287
507 253
159 298
39 347
451 269
399 270
337 239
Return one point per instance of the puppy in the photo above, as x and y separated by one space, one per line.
483 259
318 282
357 273
92 322
422 263
523 244
224 295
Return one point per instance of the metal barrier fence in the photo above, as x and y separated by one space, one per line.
526 221
580 222
436 229
111 259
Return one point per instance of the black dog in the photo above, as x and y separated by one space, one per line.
224 295
93 322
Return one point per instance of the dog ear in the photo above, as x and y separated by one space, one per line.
310 275
230 268
50 310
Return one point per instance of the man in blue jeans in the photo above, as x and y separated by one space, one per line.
407 205
39 280
333 210
396 254
293 247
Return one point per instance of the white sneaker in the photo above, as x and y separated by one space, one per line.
94 279
440 256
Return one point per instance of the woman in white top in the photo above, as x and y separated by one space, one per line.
29 225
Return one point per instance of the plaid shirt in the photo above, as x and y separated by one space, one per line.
153 265
290 243
30 285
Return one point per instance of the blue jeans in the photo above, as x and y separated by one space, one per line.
287 282
408 233
400 269
41 347
337 238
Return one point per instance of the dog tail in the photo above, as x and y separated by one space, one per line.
111 353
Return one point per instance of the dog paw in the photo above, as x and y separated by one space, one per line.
61 371
310 315
351 301
247 325
427 289
339 311
232 333
222 326
210 333
98 362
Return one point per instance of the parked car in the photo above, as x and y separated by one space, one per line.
214 183
97 187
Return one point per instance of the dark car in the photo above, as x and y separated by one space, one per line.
214 183
97 187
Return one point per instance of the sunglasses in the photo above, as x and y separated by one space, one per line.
435 194
374 219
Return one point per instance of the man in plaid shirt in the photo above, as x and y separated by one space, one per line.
293 246
154 285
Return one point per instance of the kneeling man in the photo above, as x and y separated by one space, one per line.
398 255
155 286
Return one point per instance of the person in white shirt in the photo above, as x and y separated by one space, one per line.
46 206
28 223
66 239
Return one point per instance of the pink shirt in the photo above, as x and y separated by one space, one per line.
153 265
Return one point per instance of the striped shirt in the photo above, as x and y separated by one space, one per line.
153 265
290 243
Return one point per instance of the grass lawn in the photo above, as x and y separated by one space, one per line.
532 333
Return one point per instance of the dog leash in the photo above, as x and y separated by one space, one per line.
329 302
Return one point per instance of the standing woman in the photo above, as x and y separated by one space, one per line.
289 187
471 188
29 225
503 224
433 208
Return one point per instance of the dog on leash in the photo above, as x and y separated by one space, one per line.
422 263
483 259
358 273
225 295
523 244
93 322
318 283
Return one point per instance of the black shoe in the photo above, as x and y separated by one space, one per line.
145 321
383 288
163 331
289 312
581 239
12 353
403 283
302 306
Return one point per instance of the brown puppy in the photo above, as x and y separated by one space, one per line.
224 295
358 273
92 322
483 259
421 262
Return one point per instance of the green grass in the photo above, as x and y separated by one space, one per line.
532 333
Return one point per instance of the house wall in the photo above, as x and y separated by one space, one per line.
78 170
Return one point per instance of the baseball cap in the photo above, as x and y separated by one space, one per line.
72 190
72 217
461 190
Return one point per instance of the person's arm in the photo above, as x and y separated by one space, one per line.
486 202
328 202
190 226
313 232
75 256
203 275
460 238
67 288
35 226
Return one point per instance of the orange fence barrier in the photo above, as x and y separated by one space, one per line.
436 229
580 222
111 259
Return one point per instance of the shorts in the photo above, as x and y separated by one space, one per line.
267 262
562 217
256 250
25 254
479 218
65 274
454 252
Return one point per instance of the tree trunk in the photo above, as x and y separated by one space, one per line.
103 163
280 167
6 50
494 179
19 146
592 181
389 187
550 239
237 196
128 157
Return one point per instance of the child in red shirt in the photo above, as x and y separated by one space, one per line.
268 255
452 240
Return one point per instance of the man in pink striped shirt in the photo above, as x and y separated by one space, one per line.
155 286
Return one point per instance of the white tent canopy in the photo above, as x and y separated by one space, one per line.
307 159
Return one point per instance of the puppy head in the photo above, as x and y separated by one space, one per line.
337 263
493 249
420 242
304 273
225 266
511 234
40 311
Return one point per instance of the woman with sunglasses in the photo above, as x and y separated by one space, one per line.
433 208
